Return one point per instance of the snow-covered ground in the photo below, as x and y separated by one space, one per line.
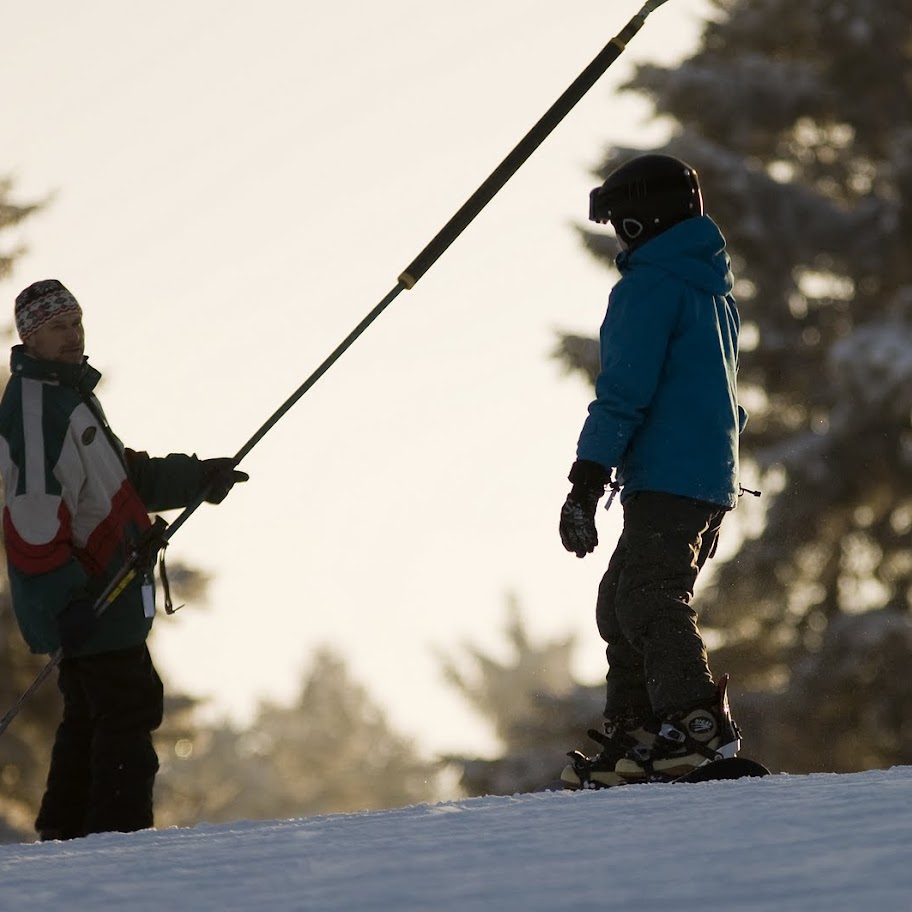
789 843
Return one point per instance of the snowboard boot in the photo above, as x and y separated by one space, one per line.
621 736
683 741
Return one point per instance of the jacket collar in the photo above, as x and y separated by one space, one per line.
81 377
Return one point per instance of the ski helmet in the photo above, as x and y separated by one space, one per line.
646 196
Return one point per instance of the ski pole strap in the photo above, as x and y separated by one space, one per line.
166 586
142 560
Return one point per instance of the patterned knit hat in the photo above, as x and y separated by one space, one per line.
40 303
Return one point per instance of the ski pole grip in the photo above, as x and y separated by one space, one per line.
526 146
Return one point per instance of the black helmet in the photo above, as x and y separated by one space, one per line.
646 196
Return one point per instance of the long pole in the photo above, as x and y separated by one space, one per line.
407 280
459 222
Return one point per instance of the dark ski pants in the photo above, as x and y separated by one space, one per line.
103 763
656 657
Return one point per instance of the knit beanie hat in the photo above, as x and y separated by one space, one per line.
40 303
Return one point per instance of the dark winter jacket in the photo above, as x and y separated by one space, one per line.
75 502
666 413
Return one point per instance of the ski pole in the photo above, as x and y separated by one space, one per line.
407 280
142 557
459 222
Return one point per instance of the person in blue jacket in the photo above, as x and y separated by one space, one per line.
663 430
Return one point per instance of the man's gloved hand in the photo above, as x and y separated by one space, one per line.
77 622
577 519
219 477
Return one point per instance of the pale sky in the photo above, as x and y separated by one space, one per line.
236 185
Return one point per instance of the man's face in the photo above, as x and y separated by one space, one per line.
60 339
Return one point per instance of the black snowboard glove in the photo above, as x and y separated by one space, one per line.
577 519
219 477
77 622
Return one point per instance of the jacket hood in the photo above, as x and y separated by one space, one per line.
692 250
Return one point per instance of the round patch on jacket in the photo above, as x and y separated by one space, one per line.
88 435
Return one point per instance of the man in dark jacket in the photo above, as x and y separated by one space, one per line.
667 419
77 502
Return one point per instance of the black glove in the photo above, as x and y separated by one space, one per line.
577 519
219 477
77 622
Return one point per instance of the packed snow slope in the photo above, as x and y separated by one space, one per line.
841 843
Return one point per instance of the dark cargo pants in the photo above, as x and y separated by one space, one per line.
103 763
656 657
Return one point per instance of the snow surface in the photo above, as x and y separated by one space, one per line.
791 843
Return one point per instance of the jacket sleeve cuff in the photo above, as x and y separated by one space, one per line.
589 474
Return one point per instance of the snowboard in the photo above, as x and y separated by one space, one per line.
727 768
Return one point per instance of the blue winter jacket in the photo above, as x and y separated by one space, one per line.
666 412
